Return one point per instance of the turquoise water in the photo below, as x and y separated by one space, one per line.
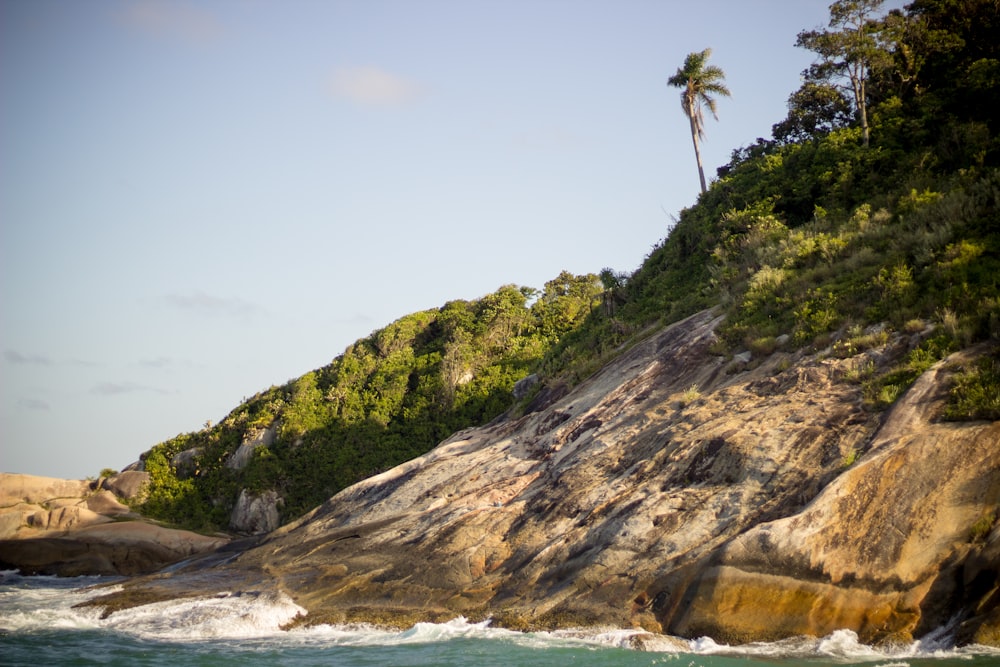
40 625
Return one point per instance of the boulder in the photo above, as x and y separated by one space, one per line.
35 490
128 548
71 528
129 484
262 438
256 514
106 503
185 462
524 386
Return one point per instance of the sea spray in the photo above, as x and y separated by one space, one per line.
41 623
218 617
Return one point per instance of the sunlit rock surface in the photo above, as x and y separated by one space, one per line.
674 491
72 528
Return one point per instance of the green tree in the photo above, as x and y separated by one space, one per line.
850 49
698 82
814 110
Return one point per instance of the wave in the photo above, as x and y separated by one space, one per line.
35 604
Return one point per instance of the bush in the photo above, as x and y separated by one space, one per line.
975 393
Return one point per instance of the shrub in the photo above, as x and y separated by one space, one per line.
882 391
975 393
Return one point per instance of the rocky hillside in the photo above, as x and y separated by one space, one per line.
828 232
784 422
675 491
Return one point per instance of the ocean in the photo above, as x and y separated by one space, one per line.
41 625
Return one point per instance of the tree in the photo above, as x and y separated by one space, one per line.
814 110
850 48
698 81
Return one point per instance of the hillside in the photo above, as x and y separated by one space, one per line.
768 503
389 397
784 422
811 239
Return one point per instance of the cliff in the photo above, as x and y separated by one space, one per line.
674 490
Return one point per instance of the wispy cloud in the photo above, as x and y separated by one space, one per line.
165 363
158 362
172 19
207 304
15 357
373 86
120 388
32 403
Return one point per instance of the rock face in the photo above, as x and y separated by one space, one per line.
670 491
71 528
129 484
256 514
263 438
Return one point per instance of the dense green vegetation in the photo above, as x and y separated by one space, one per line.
387 398
873 210
811 232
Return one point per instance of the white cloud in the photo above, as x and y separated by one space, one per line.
372 86
119 388
33 404
207 304
158 362
15 357
172 19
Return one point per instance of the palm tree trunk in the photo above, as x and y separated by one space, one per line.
697 151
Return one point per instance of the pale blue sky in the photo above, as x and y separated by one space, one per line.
199 200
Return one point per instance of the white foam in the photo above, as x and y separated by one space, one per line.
40 603
231 617
844 646
421 633
30 604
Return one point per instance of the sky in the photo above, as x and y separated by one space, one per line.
200 200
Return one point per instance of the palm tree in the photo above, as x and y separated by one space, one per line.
698 82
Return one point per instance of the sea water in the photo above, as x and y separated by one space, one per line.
41 624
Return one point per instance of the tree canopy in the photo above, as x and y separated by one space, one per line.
387 398
850 49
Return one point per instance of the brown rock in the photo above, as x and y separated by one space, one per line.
668 494
65 518
256 514
34 490
128 485
129 548
106 503
64 527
